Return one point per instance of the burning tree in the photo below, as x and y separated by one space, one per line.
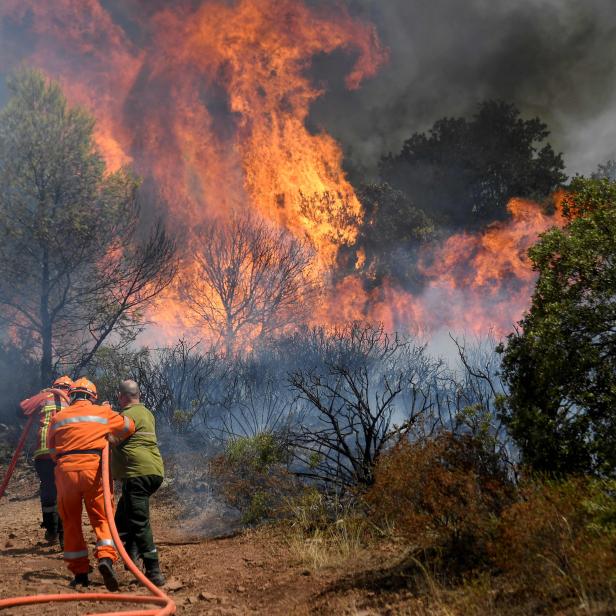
464 172
72 269
249 279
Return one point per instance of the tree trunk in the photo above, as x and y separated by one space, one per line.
46 325
229 336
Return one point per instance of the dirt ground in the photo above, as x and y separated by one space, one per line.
247 573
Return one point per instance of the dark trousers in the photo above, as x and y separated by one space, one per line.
47 492
132 516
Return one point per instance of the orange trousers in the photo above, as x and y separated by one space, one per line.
75 488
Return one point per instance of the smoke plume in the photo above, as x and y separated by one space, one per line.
553 58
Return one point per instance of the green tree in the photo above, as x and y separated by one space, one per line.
463 172
561 365
72 269
391 231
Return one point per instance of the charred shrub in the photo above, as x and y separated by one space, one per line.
558 542
252 476
443 497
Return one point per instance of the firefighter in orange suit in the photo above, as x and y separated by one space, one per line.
47 404
77 437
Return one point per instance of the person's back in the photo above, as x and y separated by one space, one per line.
80 434
138 463
139 455
47 404
77 438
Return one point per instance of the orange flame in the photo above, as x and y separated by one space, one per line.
211 108
473 282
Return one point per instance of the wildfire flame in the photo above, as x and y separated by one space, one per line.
209 104
473 282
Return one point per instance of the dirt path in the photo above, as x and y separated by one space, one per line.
251 573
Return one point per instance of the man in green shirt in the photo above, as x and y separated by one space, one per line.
138 464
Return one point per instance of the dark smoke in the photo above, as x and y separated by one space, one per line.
553 58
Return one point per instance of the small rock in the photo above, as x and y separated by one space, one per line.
206 596
192 599
12 536
305 572
241 589
174 584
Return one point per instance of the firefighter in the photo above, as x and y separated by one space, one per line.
77 437
138 464
51 402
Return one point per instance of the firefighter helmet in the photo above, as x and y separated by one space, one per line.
85 386
63 382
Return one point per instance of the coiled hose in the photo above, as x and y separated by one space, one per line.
159 598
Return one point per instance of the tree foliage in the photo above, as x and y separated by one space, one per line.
463 172
561 365
72 270
391 230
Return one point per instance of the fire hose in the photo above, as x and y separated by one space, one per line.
13 462
165 604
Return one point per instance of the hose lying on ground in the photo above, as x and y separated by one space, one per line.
165 604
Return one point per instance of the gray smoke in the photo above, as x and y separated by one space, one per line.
555 59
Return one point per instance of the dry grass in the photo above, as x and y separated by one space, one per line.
324 533
329 548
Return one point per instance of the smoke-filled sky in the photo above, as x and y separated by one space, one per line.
553 58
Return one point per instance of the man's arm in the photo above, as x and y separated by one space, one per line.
120 426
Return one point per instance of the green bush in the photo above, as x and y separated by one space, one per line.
259 452
252 476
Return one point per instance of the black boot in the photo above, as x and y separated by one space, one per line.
153 572
105 566
81 579
132 551
51 524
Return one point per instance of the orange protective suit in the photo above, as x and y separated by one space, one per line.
77 437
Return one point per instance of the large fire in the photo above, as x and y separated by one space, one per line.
209 104
473 282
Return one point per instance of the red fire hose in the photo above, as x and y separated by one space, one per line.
20 446
165 604
29 407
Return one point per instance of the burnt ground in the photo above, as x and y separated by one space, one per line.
251 572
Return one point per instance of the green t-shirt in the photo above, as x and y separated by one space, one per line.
138 455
